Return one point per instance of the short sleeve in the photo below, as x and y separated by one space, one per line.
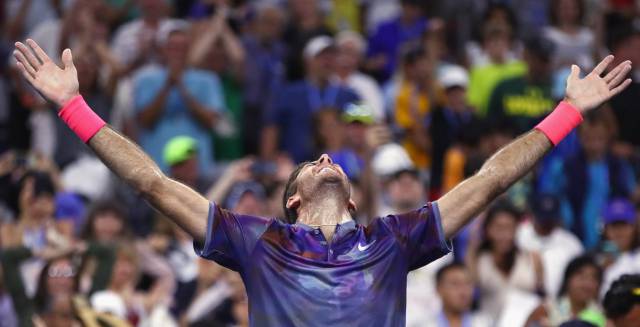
230 238
420 234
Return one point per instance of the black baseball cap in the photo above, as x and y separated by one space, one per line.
540 47
545 207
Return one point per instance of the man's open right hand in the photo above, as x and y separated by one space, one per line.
53 83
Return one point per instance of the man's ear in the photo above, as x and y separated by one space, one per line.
293 202
352 206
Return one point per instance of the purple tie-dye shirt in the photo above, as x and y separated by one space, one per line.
294 277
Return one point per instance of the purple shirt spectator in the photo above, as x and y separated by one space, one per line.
388 40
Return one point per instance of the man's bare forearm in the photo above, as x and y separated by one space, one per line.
177 201
502 170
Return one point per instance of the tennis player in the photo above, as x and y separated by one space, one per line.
318 268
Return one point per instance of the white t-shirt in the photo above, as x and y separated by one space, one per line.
556 250
423 302
575 48
627 263
496 288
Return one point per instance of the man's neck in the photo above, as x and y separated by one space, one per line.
595 157
317 81
542 230
151 21
577 307
325 211
344 72
408 20
454 318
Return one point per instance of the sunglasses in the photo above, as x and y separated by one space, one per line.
61 272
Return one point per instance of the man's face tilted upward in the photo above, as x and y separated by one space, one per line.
313 181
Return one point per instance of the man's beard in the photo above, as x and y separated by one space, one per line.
333 185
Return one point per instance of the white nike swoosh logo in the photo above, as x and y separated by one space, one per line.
363 248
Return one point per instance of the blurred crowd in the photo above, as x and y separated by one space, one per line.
408 96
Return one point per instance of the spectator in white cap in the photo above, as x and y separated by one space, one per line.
447 124
288 123
351 49
403 188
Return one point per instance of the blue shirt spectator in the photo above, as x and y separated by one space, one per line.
176 119
293 112
289 121
586 180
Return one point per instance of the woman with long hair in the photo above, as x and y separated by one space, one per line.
498 265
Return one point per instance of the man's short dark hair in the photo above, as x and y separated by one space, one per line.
445 269
622 296
291 215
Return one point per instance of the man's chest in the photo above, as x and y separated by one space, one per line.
312 248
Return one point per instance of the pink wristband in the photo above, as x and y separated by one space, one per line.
560 122
81 119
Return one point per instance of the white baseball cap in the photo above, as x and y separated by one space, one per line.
109 302
453 75
317 45
390 159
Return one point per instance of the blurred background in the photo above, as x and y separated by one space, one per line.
409 97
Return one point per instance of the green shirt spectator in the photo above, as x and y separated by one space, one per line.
484 79
520 103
